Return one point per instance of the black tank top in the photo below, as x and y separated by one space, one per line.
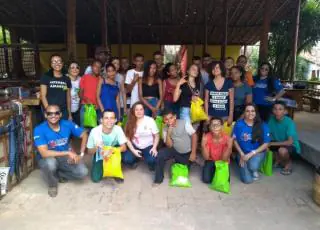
150 90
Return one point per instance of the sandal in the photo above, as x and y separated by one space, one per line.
286 172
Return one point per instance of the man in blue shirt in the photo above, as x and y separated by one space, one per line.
285 142
55 156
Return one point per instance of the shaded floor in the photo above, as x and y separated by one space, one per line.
276 202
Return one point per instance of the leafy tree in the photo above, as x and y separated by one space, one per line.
7 36
280 41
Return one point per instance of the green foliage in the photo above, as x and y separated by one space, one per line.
7 35
302 68
280 41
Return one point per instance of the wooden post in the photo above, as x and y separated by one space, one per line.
119 27
295 41
71 29
205 43
104 24
263 53
17 71
36 56
130 46
6 54
194 41
245 50
225 30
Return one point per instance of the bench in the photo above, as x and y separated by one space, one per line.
314 102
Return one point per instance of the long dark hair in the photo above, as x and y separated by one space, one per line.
241 70
146 71
131 125
198 78
270 77
222 68
166 70
257 128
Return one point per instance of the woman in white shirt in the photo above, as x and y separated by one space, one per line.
73 73
143 137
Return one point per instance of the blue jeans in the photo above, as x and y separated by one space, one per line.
129 158
82 116
54 167
251 166
153 102
185 114
172 106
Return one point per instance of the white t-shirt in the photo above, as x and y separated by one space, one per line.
145 132
75 98
135 90
119 78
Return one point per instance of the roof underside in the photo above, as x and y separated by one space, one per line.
150 21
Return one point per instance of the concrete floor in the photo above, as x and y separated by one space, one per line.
276 202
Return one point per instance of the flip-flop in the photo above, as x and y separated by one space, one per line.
286 172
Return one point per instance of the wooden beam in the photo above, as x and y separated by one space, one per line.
32 26
236 10
280 8
36 57
295 41
225 30
58 9
205 39
263 53
133 9
71 30
119 28
104 23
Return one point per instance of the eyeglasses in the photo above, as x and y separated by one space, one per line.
214 125
56 62
56 113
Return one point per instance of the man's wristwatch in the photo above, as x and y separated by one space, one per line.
81 154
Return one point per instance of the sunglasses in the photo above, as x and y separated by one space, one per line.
56 113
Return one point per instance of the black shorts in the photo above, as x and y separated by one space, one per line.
291 149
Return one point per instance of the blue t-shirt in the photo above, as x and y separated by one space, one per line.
218 104
243 135
57 141
260 91
241 93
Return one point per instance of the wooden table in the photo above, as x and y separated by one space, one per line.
297 95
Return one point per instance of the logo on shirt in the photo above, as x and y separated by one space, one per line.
56 143
219 100
246 137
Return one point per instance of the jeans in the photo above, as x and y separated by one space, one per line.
172 106
153 102
185 114
55 167
129 158
251 166
76 117
265 111
167 154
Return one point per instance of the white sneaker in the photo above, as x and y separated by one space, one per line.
255 176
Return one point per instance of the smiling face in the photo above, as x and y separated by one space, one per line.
108 119
193 71
216 71
215 127
235 74
111 72
173 72
279 111
169 119
96 68
153 70
228 63
53 114
56 63
250 113
264 70
124 63
242 61
74 69
158 58
138 61
139 111
116 63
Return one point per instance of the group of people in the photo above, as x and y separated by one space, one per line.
232 96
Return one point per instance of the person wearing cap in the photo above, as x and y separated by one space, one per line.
101 54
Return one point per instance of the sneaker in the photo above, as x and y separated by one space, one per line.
53 191
62 180
119 180
255 176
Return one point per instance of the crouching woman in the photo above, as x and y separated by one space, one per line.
216 146
251 139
